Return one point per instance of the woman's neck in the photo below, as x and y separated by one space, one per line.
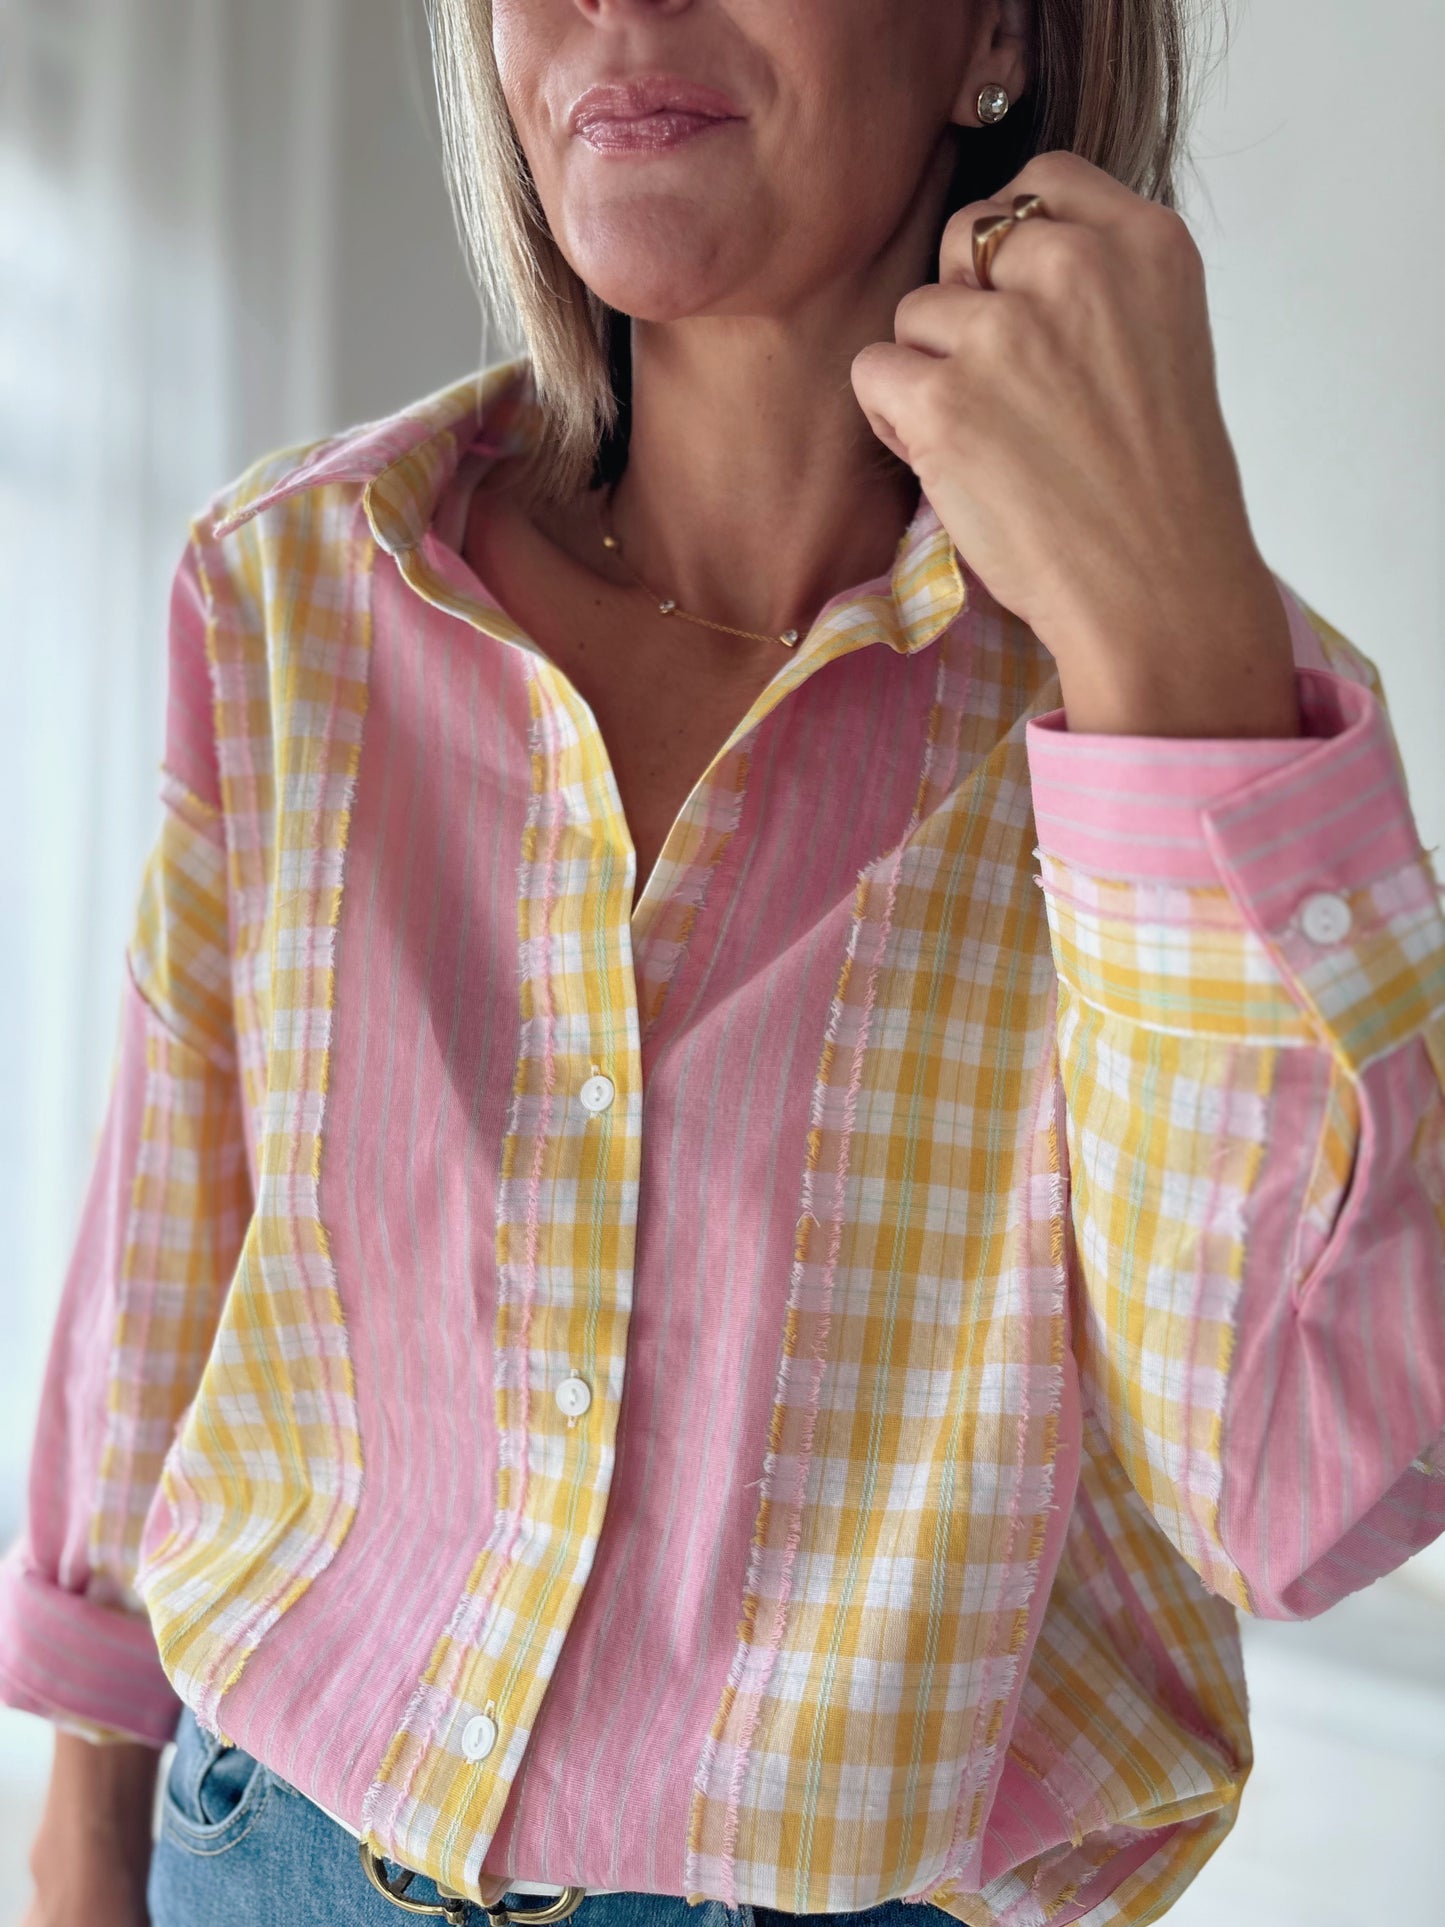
754 490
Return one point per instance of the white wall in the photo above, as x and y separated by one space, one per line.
413 322
1321 156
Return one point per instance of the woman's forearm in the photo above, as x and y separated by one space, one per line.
92 1848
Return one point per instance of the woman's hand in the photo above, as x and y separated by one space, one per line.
1066 426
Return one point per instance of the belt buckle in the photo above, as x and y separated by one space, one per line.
454 1907
566 1903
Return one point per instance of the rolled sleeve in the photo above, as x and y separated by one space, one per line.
88 1668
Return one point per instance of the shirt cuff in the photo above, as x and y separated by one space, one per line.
91 1669
1268 889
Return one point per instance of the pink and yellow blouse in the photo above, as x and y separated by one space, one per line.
775 1394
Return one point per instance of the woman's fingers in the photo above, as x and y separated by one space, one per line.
936 319
893 386
1016 253
1073 192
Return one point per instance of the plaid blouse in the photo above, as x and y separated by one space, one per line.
776 1393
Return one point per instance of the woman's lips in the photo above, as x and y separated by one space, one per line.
645 113
646 133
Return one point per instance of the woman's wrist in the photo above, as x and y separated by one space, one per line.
1223 667
90 1858
102 1796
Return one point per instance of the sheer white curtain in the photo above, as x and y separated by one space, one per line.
166 190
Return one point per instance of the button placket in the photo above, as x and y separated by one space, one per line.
562 1129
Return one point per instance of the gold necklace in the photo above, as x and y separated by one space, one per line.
666 605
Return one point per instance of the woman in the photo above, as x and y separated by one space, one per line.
655 1324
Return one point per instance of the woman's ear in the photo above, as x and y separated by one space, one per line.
1000 56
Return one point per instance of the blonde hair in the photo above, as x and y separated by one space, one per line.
1110 80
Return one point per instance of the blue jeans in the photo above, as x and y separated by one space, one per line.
238 1847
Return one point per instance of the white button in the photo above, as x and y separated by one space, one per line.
479 1736
574 1395
597 1093
1325 917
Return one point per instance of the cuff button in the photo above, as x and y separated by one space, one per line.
1325 917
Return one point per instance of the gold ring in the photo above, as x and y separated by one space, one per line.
989 230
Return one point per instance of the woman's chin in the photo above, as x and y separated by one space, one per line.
656 265
658 310
653 291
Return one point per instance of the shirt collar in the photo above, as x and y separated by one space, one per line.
404 462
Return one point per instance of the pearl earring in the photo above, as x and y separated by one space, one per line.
992 103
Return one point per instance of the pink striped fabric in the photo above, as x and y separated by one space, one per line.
1328 816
